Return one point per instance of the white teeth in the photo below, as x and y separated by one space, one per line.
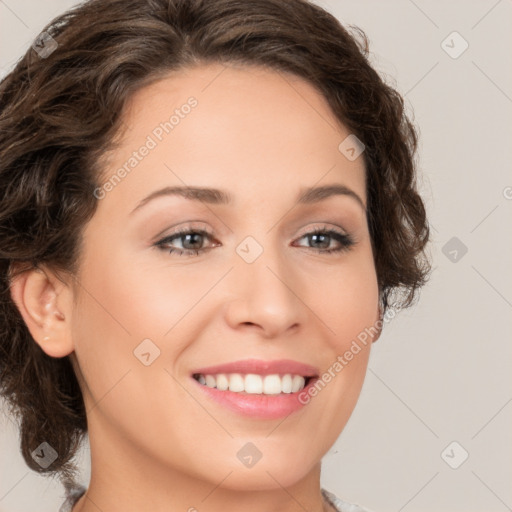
254 384
211 382
236 382
222 382
286 383
272 385
297 383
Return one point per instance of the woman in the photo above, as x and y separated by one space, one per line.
207 208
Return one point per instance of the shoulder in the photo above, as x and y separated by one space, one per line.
73 494
340 505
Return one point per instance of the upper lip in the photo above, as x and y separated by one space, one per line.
260 367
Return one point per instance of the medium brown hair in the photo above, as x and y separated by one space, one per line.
59 113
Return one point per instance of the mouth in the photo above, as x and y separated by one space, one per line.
255 388
254 384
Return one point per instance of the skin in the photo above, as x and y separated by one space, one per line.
157 442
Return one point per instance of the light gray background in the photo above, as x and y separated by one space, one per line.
441 371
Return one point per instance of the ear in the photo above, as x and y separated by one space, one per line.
45 303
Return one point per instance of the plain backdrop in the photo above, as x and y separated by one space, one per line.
432 428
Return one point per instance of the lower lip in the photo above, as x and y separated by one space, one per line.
258 406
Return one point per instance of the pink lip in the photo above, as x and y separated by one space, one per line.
254 405
258 406
260 367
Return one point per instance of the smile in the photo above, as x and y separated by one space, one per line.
252 383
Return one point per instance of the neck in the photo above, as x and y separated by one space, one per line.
124 479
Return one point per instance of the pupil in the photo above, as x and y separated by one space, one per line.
191 235
315 237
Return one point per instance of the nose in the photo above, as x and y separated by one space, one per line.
265 296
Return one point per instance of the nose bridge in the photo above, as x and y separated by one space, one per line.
263 282
262 259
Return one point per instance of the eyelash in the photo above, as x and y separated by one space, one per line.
345 240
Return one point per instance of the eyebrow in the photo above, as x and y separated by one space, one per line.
222 197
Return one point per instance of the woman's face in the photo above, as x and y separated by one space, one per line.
246 280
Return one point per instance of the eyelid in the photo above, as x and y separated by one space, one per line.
201 226
340 235
173 230
323 227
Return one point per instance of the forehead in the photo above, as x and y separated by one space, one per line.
247 129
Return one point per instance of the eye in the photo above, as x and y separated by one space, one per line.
192 241
324 236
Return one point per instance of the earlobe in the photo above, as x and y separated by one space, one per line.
45 302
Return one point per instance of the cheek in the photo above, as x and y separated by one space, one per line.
123 303
115 313
125 299
345 299
347 305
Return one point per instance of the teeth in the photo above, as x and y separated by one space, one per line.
222 382
211 382
286 383
236 382
254 384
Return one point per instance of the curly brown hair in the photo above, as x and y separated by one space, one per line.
59 113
